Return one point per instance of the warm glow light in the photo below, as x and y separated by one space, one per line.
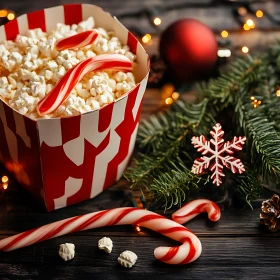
245 49
278 92
137 228
250 23
3 13
246 27
224 34
157 21
175 95
224 53
242 11
146 38
10 16
5 179
259 13
255 102
5 186
168 101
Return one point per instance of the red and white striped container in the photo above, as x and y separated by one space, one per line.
63 161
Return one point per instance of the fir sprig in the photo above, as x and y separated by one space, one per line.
163 166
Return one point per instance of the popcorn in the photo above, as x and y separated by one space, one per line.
52 65
67 251
35 66
17 57
127 259
38 89
93 103
3 82
105 244
86 25
48 74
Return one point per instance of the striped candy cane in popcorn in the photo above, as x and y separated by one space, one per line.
188 252
195 207
77 41
66 84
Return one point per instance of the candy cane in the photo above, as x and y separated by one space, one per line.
188 252
76 41
66 84
195 207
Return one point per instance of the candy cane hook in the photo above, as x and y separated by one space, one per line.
195 207
77 41
65 85
188 252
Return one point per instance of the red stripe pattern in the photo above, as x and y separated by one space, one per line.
11 29
37 20
195 207
72 14
77 41
63 88
38 153
188 252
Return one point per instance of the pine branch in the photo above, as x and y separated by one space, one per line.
162 167
221 91
164 128
171 187
263 140
248 186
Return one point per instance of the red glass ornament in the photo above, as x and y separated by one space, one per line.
189 48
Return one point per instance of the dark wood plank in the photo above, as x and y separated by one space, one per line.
222 257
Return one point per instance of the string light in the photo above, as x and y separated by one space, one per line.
137 228
146 38
255 101
224 34
5 179
242 11
157 21
3 13
250 23
10 16
5 186
175 95
245 49
278 93
259 13
246 27
168 101
224 53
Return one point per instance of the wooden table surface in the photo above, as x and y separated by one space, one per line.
236 247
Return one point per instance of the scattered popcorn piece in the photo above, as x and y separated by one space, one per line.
67 251
127 259
105 244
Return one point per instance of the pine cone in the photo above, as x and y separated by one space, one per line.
270 215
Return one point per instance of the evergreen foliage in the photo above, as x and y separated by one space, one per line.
164 163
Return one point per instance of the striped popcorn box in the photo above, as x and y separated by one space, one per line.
62 161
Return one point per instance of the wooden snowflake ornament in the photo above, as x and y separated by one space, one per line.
216 156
